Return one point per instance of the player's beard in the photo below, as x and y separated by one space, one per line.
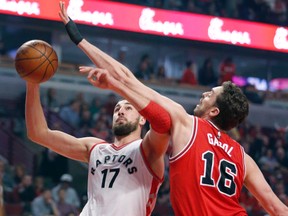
198 111
125 129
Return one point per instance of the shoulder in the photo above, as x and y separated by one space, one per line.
90 142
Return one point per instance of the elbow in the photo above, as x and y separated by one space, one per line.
32 136
35 136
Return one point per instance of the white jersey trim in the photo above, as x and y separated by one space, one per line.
189 143
243 158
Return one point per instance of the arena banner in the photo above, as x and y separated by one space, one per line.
189 26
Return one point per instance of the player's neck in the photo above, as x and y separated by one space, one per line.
123 140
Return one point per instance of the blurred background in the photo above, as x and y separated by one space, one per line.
168 58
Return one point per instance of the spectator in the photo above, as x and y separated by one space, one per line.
253 95
268 162
245 10
103 116
52 166
122 55
279 11
160 73
51 101
19 172
145 69
44 205
207 75
282 158
227 70
101 130
110 103
188 76
158 4
64 208
95 106
24 193
6 177
71 196
174 5
38 185
192 7
86 121
71 113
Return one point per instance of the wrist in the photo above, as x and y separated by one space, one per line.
73 32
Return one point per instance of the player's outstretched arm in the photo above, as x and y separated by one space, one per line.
181 123
258 186
38 131
119 71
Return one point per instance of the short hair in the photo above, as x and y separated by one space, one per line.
233 106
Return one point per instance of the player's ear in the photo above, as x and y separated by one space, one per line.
142 120
214 111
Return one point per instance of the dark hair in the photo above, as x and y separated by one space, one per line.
233 106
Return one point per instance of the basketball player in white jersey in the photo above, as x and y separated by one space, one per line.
124 176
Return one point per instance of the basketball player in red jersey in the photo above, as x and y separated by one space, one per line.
207 167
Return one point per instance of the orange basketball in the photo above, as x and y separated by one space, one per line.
36 61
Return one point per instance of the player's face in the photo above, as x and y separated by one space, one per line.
125 119
207 102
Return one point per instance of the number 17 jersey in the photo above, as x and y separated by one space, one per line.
120 181
207 176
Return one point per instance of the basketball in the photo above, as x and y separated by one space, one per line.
36 61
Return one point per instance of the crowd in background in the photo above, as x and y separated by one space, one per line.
205 73
267 11
50 188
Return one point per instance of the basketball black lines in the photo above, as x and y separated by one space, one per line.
36 61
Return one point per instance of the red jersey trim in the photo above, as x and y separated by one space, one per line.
117 148
94 147
152 196
160 180
190 142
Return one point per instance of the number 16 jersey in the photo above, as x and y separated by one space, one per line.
120 181
207 176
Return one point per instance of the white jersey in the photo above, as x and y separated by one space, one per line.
120 181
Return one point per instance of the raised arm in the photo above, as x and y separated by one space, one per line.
258 186
181 124
115 68
38 131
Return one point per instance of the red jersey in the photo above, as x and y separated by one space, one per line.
188 77
227 71
207 176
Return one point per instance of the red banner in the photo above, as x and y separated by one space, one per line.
146 20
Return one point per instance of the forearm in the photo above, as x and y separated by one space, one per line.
101 59
38 131
34 116
271 203
131 88
259 187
